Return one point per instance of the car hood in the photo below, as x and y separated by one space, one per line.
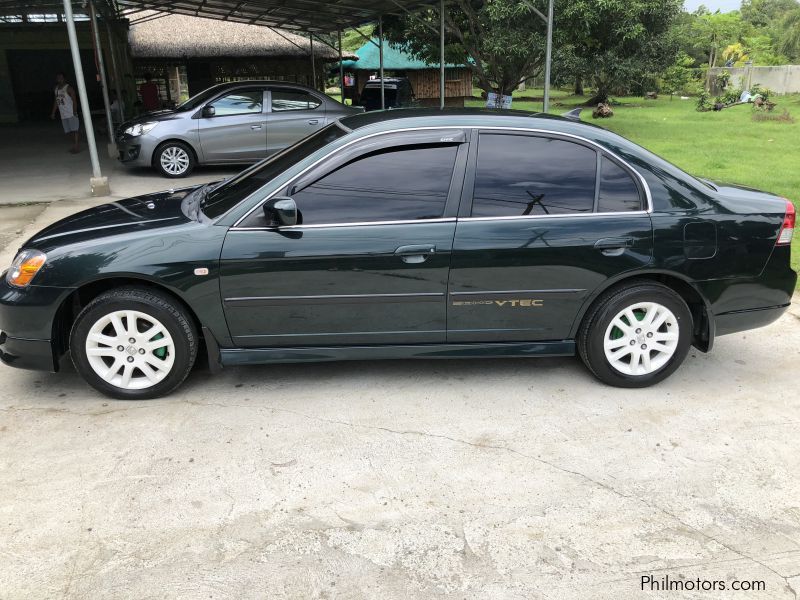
141 213
154 115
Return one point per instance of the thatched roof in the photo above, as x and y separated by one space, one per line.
179 36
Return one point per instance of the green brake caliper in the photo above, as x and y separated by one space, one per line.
160 352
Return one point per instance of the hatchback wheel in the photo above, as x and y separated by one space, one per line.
133 344
636 336
174 159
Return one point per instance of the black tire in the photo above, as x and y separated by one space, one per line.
591 334
154 304
174 146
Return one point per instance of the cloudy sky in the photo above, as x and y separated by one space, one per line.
723 5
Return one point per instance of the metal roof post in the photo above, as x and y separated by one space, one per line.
341 66
98 183
380 55
441 54
549 56
98 48
115 68
313 66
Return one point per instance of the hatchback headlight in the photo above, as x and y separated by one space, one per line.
25 266
140 128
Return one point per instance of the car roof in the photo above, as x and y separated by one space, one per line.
260 82
377 81
367 123
409 118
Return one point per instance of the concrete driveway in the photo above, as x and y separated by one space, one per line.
487 479
55 174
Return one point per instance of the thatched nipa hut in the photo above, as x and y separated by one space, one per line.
192 52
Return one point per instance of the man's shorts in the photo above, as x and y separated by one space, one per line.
71 124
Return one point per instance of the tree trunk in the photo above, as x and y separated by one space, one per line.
600 97
578 85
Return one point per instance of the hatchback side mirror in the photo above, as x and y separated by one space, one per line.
209 111
280 211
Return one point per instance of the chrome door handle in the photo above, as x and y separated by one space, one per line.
313 121
255 127
613 246
415 254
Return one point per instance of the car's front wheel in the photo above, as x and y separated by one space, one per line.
133 344
174 159
636 336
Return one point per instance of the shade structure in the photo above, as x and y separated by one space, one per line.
309 16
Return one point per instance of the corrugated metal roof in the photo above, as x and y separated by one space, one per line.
395 58
322 16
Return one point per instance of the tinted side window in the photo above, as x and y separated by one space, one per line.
391 185
293 100
618 190
239 103
524 175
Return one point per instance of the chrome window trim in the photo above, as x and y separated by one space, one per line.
358 224
593 144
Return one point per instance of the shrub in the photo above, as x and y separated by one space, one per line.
704 102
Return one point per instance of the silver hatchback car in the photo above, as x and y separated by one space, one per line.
230 123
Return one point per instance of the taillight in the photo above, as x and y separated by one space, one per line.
787 229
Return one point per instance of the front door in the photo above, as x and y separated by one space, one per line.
293 115
551 219
237 132
368 264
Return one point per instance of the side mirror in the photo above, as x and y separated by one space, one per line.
209 111
280 211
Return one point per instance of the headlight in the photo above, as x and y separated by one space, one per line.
140 128
25 266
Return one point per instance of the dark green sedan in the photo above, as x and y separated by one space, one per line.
406 234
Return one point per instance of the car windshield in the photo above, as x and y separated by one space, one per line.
224 197
195 101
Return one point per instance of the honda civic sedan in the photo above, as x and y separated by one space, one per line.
406 234
230 123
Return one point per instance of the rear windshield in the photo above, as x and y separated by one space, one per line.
223 198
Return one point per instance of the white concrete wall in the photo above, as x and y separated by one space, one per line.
783 79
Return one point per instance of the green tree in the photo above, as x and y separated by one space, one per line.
790 36
607 44
676 78
620 43
764 13
504 40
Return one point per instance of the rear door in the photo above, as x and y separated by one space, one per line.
369 263
237 131
293 114
544 221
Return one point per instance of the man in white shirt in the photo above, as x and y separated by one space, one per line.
67 103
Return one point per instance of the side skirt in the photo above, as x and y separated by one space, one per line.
256 356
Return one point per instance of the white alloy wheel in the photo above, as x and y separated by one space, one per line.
130 349
174 160
641 338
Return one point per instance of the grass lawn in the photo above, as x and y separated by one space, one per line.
725 146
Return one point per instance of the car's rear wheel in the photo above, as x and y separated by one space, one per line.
174 159
636 336
133 344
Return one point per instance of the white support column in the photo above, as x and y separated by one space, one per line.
98 48
548 56
313 66
441 54
98 183
380 55
341 66
115 68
